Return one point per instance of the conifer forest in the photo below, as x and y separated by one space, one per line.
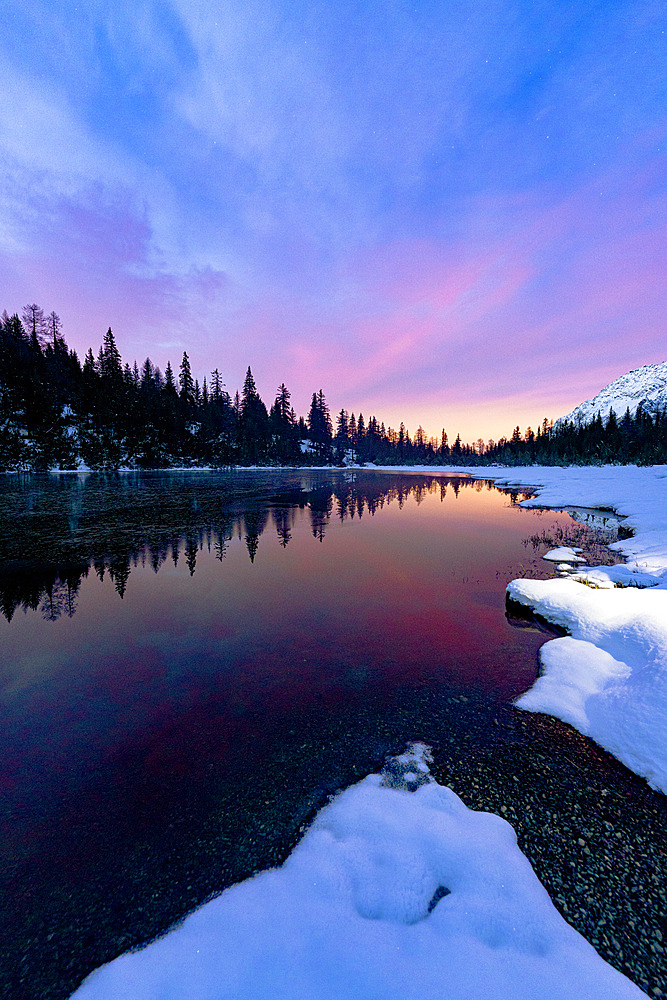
58 412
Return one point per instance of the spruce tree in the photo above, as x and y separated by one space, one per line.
282 426
253 422
342 439
185 381
250 395
319 427
282 404
169 384
111 366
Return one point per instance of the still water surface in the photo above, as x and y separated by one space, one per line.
192 662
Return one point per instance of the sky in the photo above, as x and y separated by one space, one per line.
448 213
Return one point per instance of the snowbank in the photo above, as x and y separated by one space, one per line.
610 678
393 894
564 554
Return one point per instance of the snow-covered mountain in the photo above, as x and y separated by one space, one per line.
646 385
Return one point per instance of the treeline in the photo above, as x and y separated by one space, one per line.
639 439
56 412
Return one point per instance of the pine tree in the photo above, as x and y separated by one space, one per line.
352 430
169 384
342 439
319 427
216 385
185 381
253 422
110 362
402 440
33 320
250 395
282 404
89 364
282 426
146 382
325 415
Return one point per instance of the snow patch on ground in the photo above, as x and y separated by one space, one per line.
611 683
392 894
620 575
564 554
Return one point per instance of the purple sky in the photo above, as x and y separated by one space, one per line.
449 213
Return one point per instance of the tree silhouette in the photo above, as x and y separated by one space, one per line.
187 386
55 412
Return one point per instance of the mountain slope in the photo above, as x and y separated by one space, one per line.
646 385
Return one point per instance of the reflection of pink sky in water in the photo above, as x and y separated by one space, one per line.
160 747
407 597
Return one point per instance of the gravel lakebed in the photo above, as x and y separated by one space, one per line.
595 834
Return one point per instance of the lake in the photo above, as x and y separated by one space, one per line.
193 662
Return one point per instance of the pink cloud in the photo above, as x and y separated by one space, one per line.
528 327
525 312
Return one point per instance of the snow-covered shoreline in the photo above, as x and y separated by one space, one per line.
608 676
397 891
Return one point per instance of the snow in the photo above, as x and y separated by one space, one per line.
608 678
564 554
391 895
646 385
611 683
620 575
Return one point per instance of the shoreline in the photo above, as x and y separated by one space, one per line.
607 676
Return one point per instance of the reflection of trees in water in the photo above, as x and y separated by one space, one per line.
320 507
284 519
254 522
52 587
59 599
